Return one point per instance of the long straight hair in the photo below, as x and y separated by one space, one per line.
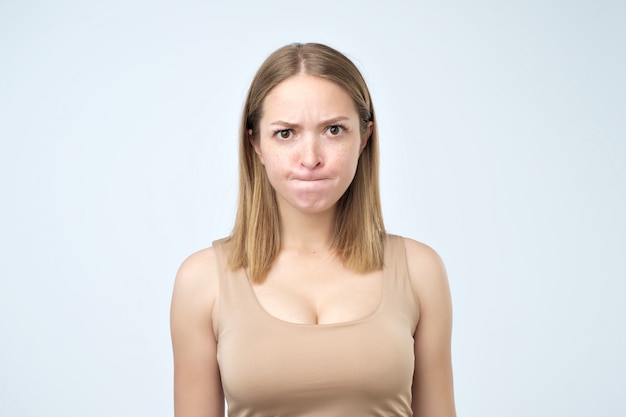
359 230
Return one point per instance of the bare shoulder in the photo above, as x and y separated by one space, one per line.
197 387
424 262
197 266
433 392
426 270
196 283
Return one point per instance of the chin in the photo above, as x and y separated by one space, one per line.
316 207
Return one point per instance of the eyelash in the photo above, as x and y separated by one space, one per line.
278 132
340 126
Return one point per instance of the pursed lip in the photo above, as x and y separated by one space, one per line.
309 179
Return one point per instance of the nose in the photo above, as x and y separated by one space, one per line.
311 152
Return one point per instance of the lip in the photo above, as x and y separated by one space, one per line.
309 179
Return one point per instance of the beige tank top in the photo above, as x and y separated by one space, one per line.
270 367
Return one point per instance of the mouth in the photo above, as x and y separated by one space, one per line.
305 179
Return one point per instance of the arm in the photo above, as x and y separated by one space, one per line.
197 385
433 393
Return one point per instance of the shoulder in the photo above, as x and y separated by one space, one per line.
201 267
196 284
197 268
427 272
197 388
433 392
421 258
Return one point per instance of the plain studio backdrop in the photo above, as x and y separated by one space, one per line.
503 141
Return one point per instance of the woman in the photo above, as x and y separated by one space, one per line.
310 308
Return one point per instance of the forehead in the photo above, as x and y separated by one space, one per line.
308 93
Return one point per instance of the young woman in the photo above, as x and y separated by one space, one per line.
310 308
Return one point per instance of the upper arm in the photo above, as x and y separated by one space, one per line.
197 386
433 393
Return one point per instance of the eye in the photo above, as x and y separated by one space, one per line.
283 133
335 130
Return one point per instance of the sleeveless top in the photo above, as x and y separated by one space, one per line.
270 367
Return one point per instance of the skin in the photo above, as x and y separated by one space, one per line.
309 147
309 141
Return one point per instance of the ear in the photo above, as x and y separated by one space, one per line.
256 144
365 136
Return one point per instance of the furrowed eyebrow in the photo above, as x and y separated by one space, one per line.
334 120
283 124
326 122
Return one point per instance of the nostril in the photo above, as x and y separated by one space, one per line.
311 160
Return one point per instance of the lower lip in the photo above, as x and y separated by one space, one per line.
311 182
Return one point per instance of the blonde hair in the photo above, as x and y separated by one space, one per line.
359 228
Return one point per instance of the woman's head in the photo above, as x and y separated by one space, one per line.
359 227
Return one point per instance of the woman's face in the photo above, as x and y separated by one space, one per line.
309 141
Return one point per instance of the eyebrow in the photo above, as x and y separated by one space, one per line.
325 122
283 123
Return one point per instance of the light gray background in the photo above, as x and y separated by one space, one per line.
503 143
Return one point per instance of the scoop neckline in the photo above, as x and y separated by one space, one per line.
366 318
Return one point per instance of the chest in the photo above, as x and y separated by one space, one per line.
278 368
319 292
317 343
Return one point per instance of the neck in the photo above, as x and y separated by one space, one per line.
307 232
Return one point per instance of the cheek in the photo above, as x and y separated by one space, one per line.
274 160
348 156
275 166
